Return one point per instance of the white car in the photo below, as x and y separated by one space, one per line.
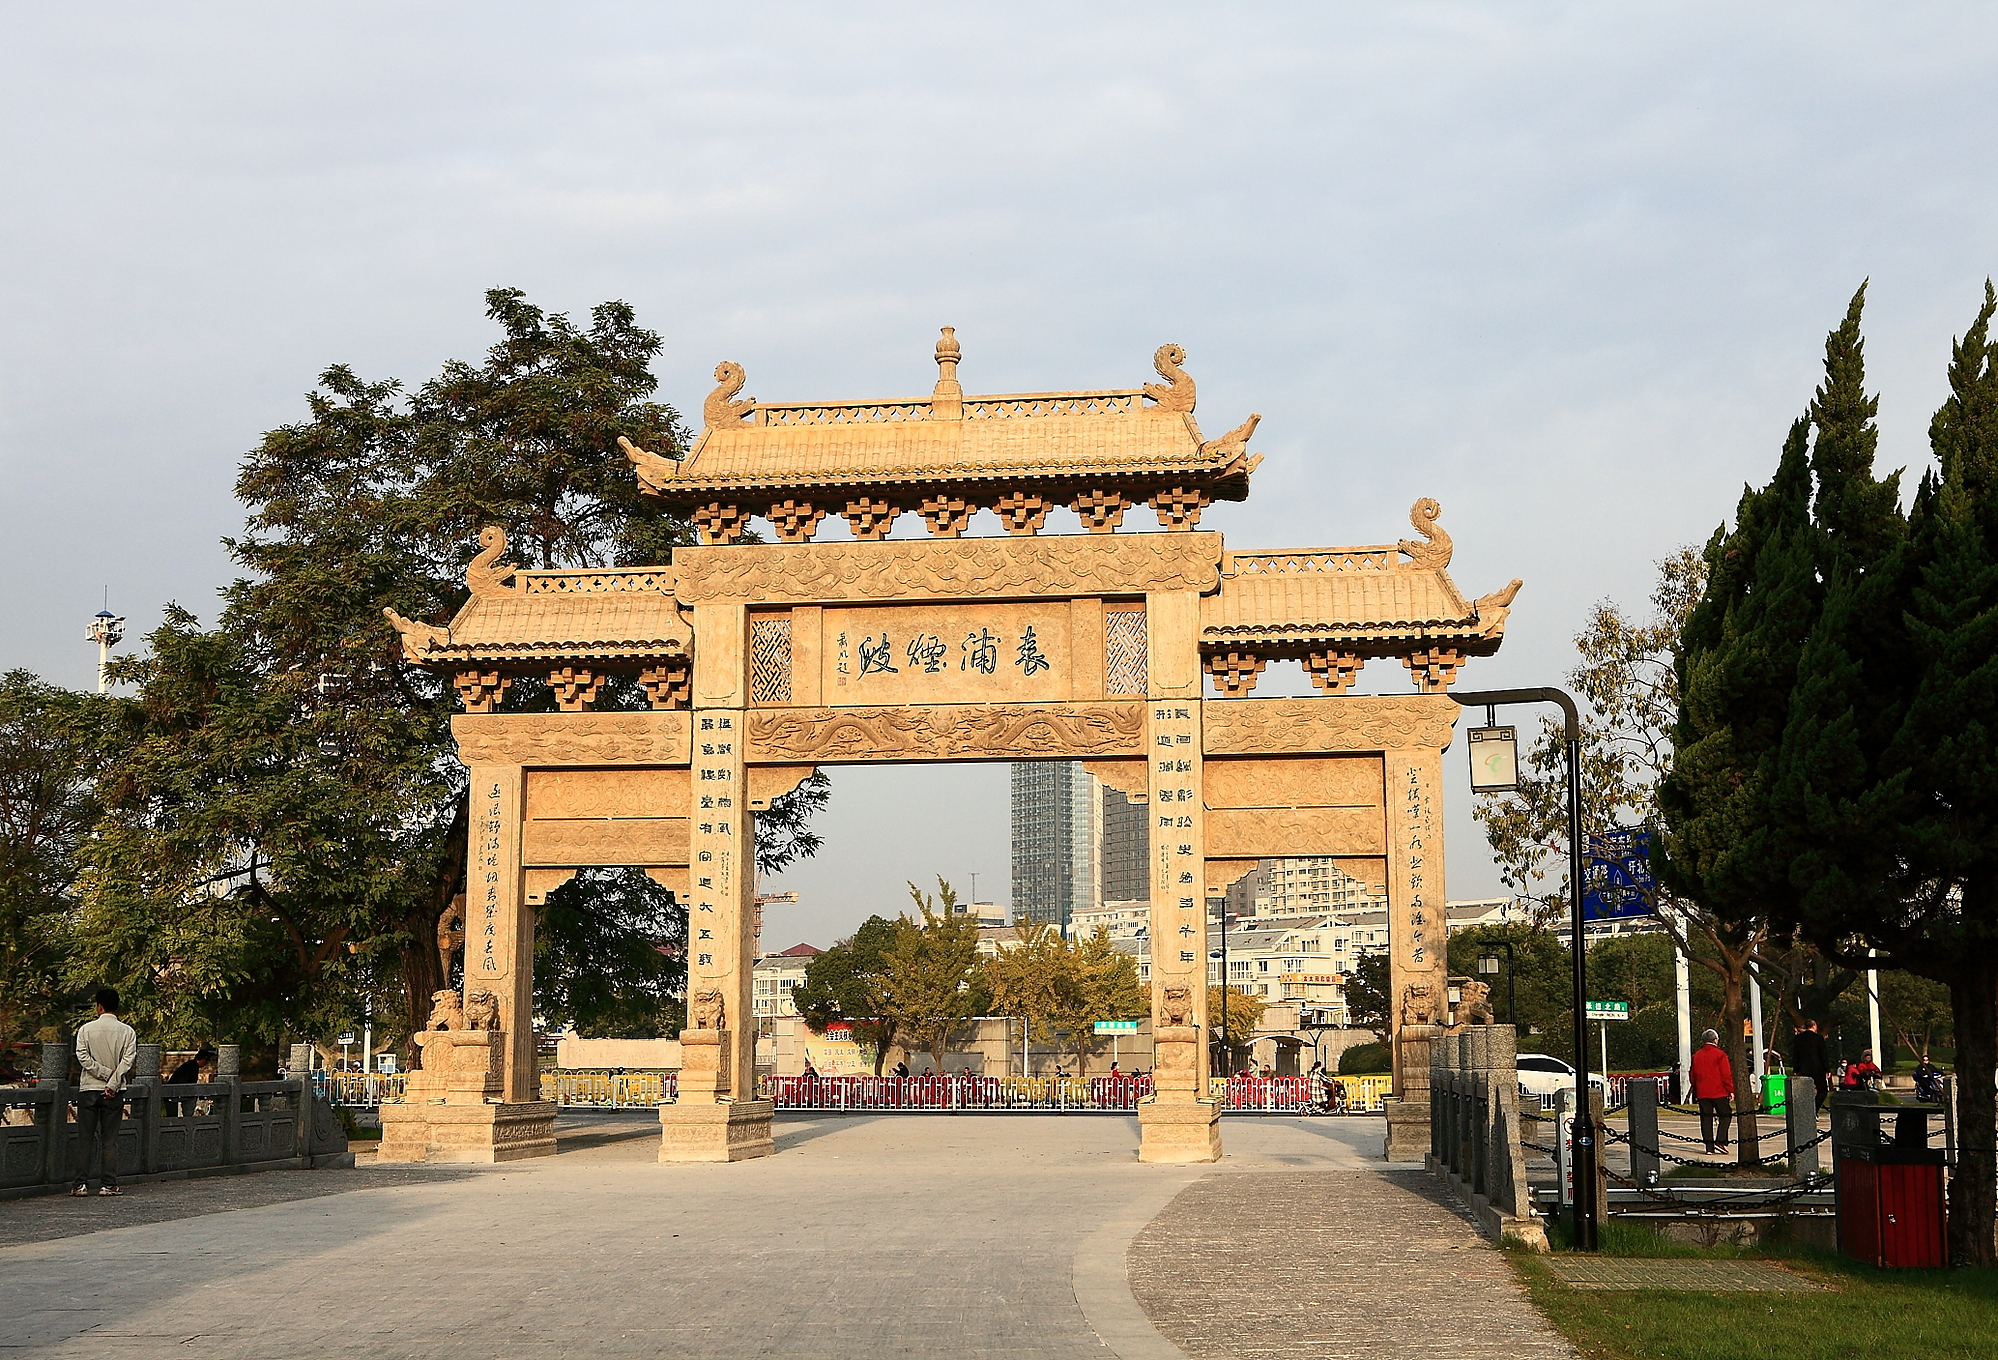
1540 1075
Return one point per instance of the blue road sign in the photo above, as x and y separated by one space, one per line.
1617 882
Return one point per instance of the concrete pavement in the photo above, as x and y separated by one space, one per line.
990 1236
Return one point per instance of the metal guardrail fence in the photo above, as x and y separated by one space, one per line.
611 1090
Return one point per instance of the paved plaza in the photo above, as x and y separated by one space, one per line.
991 1236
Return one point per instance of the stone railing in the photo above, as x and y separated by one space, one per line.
170 1130
1311 562
1474 1128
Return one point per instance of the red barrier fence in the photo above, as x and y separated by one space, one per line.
1269 1095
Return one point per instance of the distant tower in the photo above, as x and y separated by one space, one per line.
1056 821
1125 857
107 630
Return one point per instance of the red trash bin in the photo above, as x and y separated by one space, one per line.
1891 1205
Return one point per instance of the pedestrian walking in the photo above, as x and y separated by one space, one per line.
106 1048
1713 1089
1810 1058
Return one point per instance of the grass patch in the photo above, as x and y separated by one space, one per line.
1875 1314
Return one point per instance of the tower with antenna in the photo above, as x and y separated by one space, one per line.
107 630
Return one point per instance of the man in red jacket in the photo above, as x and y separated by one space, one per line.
1713 1088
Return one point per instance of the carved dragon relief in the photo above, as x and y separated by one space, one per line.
948 568
997 731
656 738
1493 609
720 411
1176 392
417 638
486 575
1259 726
1434 553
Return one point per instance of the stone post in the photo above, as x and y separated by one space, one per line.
1418 966
229 1072
1642 1108
145 1104
1800 1111
717 1117
1178 1122
55 1132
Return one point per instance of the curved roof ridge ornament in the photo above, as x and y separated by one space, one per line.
720 411
1492 610
1233 447
417 638
1433 554
1176 392
654 470
486 575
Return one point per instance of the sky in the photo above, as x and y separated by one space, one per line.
1567 268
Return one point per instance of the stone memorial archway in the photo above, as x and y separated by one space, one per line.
765 661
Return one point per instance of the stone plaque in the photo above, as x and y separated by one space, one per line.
947 654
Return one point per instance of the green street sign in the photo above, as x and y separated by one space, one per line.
1116 1027
1607 1010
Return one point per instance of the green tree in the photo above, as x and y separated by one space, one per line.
1243 1013
931 984
290 744
1101 984
48 803
1916 1010
1367 994
1031 979
1889 764
844 983
610 956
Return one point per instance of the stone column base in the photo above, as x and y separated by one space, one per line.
496 1132
1189 1132
715 1133
1407 1131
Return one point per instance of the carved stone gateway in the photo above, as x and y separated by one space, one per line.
764 661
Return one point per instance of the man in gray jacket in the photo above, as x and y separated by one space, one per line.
106 1048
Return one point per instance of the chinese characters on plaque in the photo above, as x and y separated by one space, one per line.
1422 941
996 653
716 817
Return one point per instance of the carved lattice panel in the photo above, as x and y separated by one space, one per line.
1124 650
770 660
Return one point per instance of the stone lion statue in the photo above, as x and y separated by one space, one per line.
1418 1004
1475 1005
447 1010
708 1010
482 1010
1176 1007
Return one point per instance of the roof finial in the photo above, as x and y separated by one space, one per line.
947 403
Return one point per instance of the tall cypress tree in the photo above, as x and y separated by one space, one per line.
1737 661
1890 761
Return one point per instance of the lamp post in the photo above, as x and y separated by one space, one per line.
107 630
1488 964
1584 1127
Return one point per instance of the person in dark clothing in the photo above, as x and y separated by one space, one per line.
1810 1058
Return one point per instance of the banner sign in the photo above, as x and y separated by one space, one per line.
1617 882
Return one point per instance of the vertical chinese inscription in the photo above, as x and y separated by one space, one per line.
721 877
1419 813
492 813
1177 872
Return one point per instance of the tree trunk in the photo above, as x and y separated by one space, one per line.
1973 997
1747 1146
421 973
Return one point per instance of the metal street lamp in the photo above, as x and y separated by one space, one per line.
1488 964
1584 1127
107 630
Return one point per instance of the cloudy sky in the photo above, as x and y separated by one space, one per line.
1567 268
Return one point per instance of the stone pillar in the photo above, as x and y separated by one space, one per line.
717 1117
56 1126
228 1062
1418 926
1178 1122
499 925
